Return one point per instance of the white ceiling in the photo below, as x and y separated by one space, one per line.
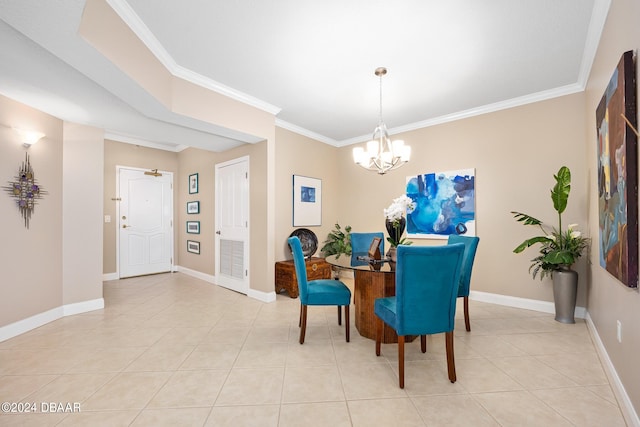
312 62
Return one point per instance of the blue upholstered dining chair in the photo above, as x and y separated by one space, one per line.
317 292
360 243
427 280
470 248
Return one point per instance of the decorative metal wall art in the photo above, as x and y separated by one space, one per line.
26 190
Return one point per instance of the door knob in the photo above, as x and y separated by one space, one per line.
124 226
218 232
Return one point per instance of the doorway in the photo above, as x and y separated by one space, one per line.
145 222
232 224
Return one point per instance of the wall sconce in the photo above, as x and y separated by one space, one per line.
29 137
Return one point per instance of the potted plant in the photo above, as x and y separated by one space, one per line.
395 223
338 242
559 248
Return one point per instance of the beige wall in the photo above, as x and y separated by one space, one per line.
515 154
299 155
193 160
55 266
104 30
134 156
30 259
183 164
203 162
83 149
609 300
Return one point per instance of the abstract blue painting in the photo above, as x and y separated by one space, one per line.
445 204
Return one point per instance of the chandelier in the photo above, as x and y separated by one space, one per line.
382 154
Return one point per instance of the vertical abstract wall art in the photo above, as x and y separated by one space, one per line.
445 204
26 190
618 175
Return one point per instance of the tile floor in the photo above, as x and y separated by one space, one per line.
174 350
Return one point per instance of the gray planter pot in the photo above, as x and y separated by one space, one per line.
565 291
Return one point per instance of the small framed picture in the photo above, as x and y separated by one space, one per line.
374 249
193 247
307 201
193 183
193 207
193 227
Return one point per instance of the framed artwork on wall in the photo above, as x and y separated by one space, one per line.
193 183
193 247
307 201
445 204
193 207
618 174
193 227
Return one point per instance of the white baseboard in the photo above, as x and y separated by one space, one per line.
197 274
37 320
82 307
628 412
527 304
259 295
110 276
262 296
115 275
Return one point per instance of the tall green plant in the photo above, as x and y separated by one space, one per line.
558 248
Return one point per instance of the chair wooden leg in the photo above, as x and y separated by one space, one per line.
379 326
451 362
346 320
300 319
303 329
467 323
339 315
423 343
401 360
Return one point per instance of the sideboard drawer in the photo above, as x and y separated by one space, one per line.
317 268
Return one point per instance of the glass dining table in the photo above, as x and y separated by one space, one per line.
372 279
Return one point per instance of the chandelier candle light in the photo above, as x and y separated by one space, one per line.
382 154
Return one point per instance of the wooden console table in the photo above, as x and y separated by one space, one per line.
286 279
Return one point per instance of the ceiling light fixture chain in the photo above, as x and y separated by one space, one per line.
380 71
382 154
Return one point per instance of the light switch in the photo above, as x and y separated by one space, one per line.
107 218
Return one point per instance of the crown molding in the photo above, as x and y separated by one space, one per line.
133 21
306 132
136 141
490 108
596 26
594 33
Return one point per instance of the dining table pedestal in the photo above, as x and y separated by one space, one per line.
369 285
371 281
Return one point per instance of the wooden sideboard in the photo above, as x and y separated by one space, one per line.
317 268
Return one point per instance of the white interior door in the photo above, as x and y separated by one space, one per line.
232 224
145 222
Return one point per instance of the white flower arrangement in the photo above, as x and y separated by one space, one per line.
394 213
399 207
